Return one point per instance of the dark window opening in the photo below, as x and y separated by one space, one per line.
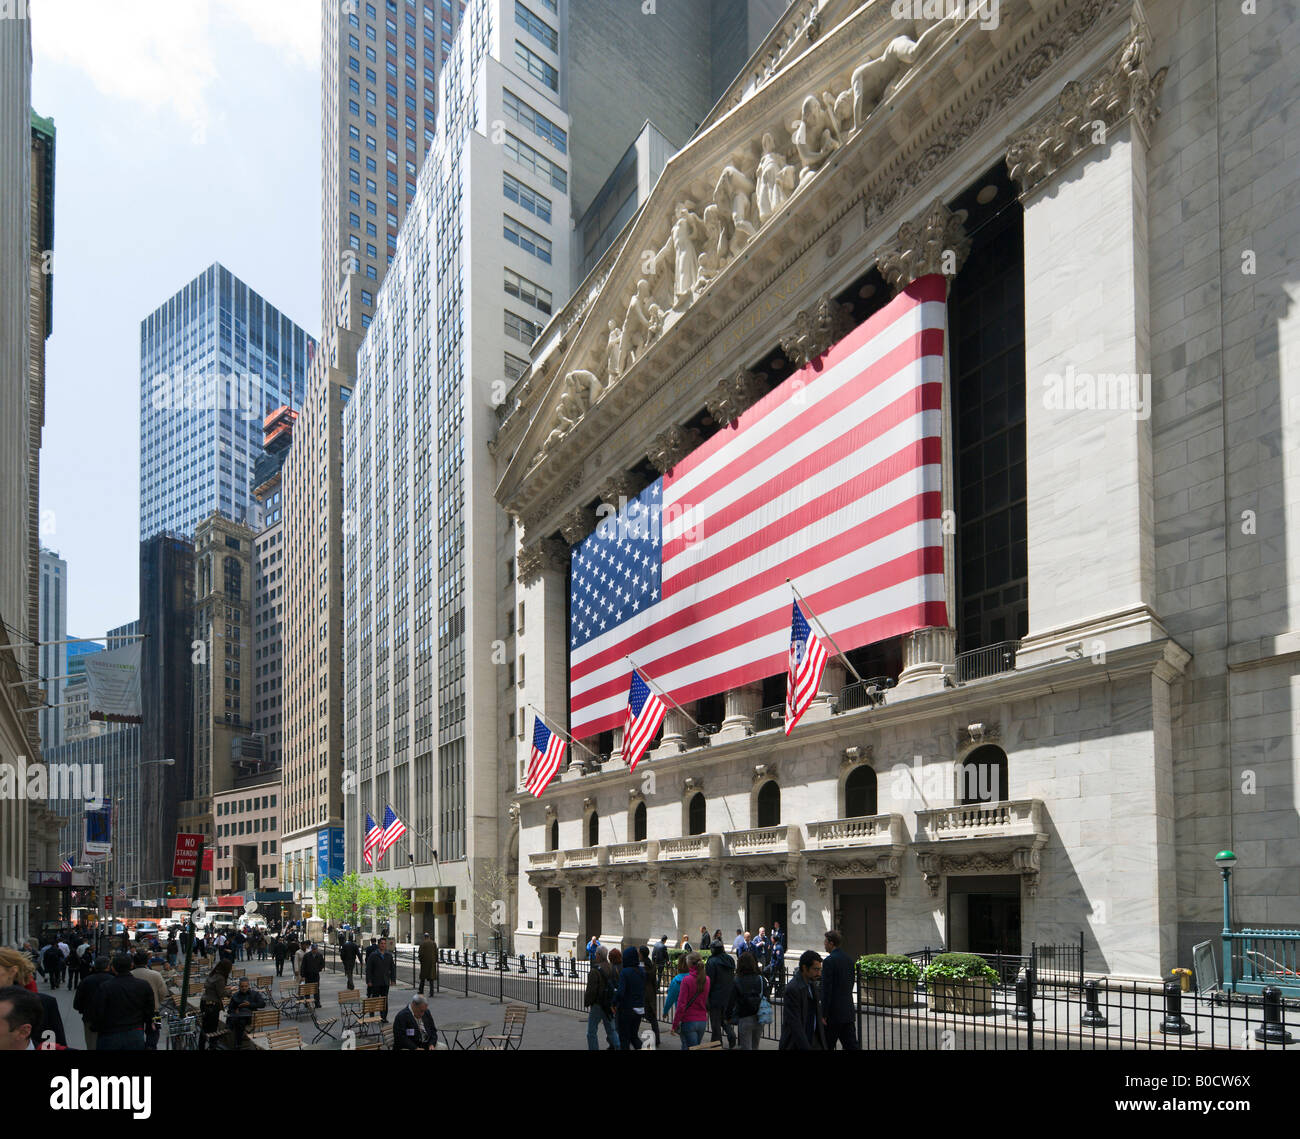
769 804
695 814
860 793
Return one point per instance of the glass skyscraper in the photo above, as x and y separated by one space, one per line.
215 360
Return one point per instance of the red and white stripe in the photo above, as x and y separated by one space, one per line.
834 479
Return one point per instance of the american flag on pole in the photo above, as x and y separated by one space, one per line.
547 755
394 828
373 835
645 712
804 669
833 479
66 865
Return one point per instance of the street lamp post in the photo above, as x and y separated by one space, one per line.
1226 860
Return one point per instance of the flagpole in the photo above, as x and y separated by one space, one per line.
799 596
665 695
556 728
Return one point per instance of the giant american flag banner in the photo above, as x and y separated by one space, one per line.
833 480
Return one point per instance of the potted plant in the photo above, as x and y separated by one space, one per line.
960 983
887 980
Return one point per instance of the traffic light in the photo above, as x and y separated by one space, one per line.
171 891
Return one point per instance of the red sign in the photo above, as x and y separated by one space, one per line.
108 903
207 859
187 855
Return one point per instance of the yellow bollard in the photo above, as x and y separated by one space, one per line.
1184 978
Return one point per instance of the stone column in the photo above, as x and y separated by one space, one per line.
540 585
935 242
1081 169
742 705
616 752
677 725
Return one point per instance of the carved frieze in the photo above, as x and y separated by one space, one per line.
936 242
855 755
1086 111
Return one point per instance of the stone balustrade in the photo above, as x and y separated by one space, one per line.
765 840
980 820
866 831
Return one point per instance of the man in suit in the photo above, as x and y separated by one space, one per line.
313 961
802 1029
381 972
837 995
428 963
413 1027
348 955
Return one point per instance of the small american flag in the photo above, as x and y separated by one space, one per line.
394 828
645 712
65 866
373 835
805 668
548 754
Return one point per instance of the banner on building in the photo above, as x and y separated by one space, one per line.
99 834
113 681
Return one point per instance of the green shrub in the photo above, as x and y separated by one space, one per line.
893 965
959 967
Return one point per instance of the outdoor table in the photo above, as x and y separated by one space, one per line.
475 1028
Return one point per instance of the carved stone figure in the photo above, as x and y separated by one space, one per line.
714 254
614 353
734 194
683 244
656 325
814 137
636 324
567 414
870 80
775 179
586 386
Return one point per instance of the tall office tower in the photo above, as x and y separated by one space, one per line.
166 685
223 674
268 591
379 77
214 361
28 836
482 261
53 656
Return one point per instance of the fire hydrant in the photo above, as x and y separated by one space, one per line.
1184 978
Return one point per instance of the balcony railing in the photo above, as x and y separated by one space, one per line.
765 719
864 693
989 660
546 860
586 857
691 846
765 840
632 852
868 830
980 820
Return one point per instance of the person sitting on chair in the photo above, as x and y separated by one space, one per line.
240 1008
413 1027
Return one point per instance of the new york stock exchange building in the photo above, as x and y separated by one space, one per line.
968 324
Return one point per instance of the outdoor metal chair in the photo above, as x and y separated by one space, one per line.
324 1025
264 1018
349 1007
371 1018
512 1032
285 1039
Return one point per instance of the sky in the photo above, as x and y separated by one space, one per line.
188 132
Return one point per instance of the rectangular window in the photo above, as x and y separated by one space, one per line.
521 328
533 202
535 121
530 241
536 66
530 159
525 290
514 367
536 26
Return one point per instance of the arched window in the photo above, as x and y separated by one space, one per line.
695 814
593 829
860 793
983 776
638 823
555 834
769 804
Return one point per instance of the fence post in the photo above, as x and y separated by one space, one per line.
857 1000
541 962
1273 1031
1081 974
501 979
1173 1023
1092 1015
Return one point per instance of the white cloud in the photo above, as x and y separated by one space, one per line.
162 54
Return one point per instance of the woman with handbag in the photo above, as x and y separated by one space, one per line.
214 992
748 995
691 1017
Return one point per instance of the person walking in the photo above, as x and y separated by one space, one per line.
837 995
84 998
705 939
159 989
599 1000
348 956
381 972
691 1016
659 954
739 945
746 996
650 971
413 1027
279 952
674 986
52 960
721 970
121 1009
630 1000
428 963
760 948
172 948
802 1028
298 955
313 961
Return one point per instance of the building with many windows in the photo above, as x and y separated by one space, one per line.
483 261
215 359
1103 681
53 625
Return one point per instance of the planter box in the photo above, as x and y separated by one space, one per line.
967 998
886 992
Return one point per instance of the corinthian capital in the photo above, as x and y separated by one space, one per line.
672 447
734 396
545 554
577 524
935 242
1086 111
